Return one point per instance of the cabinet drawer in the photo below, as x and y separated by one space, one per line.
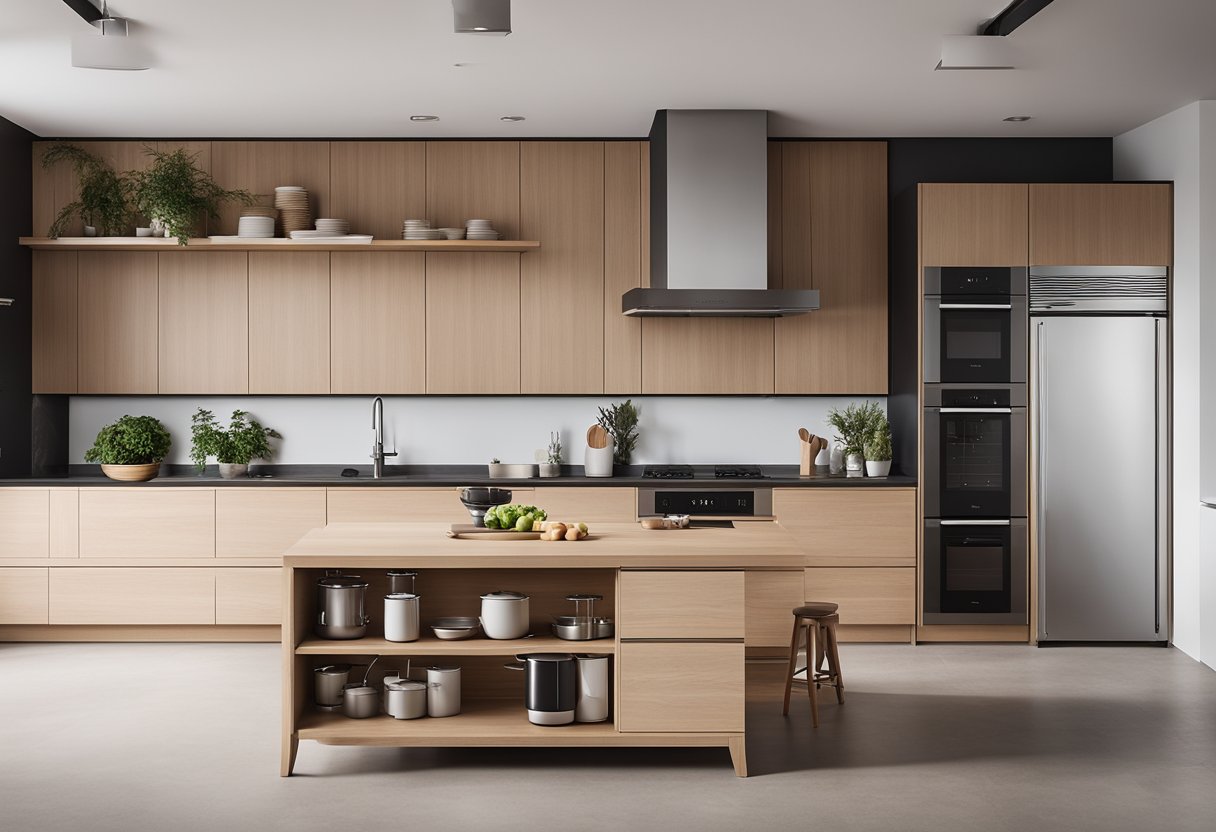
402 505
23 595
681 687
771 598
850 526
248 596
589 505
132 596
260 522
681 605
24 522
866 595
147 523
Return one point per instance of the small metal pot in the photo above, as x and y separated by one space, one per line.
405 699
328 684
443 691
504 614
340 607
583 625
360 701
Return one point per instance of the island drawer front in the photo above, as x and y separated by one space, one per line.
696 605
23 595
24 522
147 522
866 595
132 595
402 505
263 522
771 598
681 686
246 595
850 526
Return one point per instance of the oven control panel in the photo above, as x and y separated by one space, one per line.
705 502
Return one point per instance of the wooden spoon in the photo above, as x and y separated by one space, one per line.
804 435
597 437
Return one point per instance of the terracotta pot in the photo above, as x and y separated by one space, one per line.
132 473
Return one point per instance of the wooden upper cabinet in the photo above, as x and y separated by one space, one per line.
54 324
377 185
562 311
289 322
1119 224
473 180
833 223
117 328
625 195
204 322
261 166
377 322
974 225
707 355
472 323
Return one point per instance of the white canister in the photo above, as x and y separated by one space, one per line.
443 691
401 617
593 688
837 460
855 465
406 699
597 462
504 614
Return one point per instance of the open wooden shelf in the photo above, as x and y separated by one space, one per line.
273 244
430 646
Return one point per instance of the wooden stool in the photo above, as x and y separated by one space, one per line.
819 620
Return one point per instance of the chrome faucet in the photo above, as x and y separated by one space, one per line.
378 453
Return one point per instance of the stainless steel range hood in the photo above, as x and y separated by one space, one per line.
709 220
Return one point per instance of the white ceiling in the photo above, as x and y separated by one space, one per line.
583 68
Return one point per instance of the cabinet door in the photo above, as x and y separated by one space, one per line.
376 185
472 323
851 526
204 322
134 595
54 324
973 225
263 522
1101 225
626 211
289 322
402 505
771 598
117 339
147 523
588 505
248 596
261 166
681 686
473 180
834 239
65 522
562 316
681 605
24 522
23 595
707 355
866 595
377 322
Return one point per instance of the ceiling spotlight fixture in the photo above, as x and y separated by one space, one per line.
424 118
1016 118
481 17
110 46
512 118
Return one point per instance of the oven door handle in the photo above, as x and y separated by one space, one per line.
974 522
975 409
975 306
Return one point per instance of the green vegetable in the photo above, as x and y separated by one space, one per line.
524 524
244 440
132 440
513 517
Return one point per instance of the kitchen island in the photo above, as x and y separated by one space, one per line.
677 653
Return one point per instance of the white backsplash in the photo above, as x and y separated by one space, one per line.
471 430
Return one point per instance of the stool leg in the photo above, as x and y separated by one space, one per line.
819 650
812 644
834 647
789 673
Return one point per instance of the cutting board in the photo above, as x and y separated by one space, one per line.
467 531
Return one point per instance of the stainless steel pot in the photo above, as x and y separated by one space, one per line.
443 691
405 699
583 625
340 607
360 701
328 683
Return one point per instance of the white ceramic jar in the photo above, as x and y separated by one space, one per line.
401 617
504 614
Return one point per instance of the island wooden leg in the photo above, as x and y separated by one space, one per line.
738 754
291 744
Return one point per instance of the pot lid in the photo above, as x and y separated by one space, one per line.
504 595
401 596
443 669
590 657
359 690
406 684
341 582
399 573
333 669
547 657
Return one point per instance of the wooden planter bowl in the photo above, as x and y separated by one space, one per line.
132 473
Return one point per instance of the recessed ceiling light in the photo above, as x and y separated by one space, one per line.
1016 118
424 118
512 118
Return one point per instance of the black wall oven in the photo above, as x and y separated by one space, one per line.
975 325
975 571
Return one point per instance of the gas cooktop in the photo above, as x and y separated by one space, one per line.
687 472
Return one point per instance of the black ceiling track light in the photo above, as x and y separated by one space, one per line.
85 9
1013 16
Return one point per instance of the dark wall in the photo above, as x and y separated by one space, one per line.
957 160
16 195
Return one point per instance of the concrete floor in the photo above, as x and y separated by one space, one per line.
185 737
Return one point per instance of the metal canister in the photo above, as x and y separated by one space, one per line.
443 691
401 617
328 683
401 580
340 607
405 699
360 701
593 686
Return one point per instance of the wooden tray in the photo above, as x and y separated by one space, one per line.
467 531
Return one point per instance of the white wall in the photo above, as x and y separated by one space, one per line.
472 430
1179 147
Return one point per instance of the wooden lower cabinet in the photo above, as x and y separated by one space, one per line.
770 601
249 595
135 595
681 686
23 595
587 504
851 526
866 595
401 505
264 522
24 522
701 605
147 523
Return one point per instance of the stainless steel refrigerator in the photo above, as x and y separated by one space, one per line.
1099 368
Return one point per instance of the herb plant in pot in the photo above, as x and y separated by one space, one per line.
130 449
854 425
552 466
175 194
104 204
621 422
244 441
878 451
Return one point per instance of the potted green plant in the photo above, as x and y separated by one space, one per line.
174 193
244 441
130 449
104 204
878 451
854 425
552 466
621 422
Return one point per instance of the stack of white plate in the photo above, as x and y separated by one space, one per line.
294 211
420 230
333 227
480 230
255 227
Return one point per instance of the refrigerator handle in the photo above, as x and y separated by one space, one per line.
1157 475
1040 436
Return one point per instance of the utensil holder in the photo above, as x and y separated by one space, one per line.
597 462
